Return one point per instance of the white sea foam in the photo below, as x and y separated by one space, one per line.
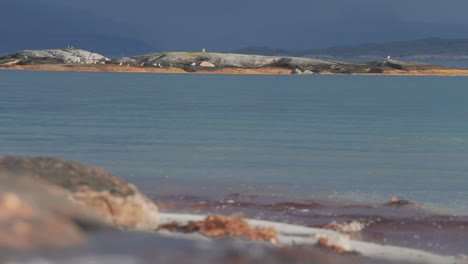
293 234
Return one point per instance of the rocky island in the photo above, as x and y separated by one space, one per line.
71 59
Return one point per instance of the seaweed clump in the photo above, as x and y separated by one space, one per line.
219 226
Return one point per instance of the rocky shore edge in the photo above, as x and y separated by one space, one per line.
70 59
48 203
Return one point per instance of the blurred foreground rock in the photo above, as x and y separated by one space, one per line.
97 192
33 217
144 248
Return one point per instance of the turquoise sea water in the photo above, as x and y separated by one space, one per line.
346 137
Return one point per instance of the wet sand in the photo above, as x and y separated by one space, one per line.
116 68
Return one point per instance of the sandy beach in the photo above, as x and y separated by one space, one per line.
281 71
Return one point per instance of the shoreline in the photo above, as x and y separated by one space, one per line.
224 70
357 219
292 234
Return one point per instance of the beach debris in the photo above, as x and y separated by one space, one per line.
395 201
207 64
218 226
339 243
193 64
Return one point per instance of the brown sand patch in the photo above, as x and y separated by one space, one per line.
435 72
246 71
117 68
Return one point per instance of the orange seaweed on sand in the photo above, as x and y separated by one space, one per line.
219 226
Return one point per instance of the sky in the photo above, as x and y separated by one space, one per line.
123 26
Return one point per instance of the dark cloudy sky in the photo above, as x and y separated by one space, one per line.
223 25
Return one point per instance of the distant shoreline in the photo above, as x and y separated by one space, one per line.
224 70
70 59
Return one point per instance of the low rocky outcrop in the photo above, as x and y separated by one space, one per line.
190 60
228 60
124 61
111 199
53 56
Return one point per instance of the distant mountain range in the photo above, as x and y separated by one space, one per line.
45 24
32 25
421 48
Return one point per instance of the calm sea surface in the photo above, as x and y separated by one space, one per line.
346 137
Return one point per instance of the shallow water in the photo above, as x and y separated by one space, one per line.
355 138
308 150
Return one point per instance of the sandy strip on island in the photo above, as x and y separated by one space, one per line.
116 68
282 71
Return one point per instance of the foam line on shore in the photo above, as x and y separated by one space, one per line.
294 234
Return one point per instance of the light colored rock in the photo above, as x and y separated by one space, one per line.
115 201
207 64
63 55
10 62
296 71
307 72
